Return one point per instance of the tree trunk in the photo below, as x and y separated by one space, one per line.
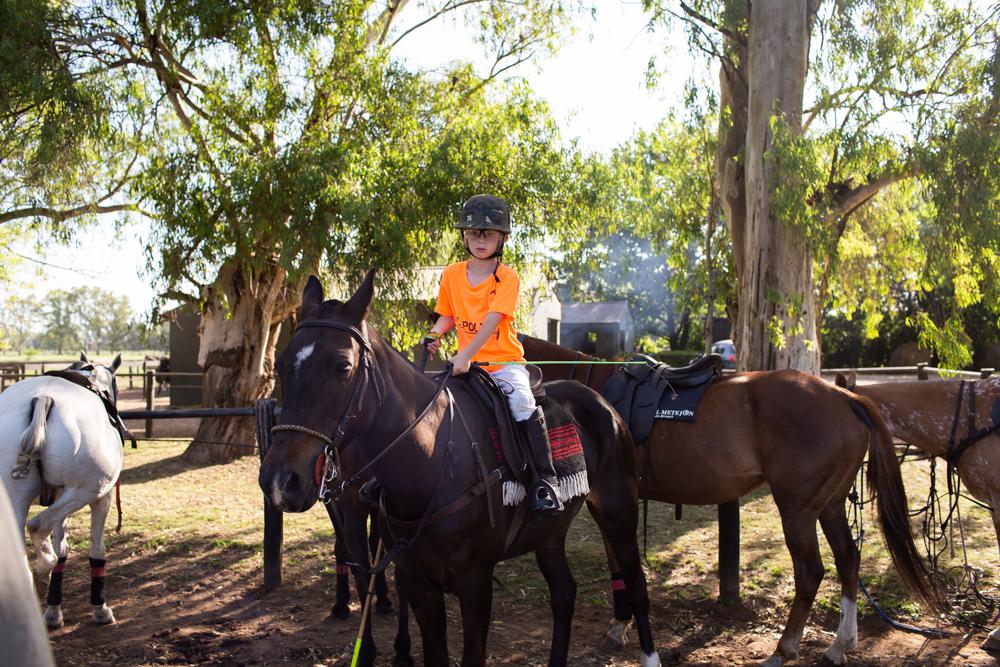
776 323
239 329
730 172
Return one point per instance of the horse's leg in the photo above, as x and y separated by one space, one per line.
366 656
102 613
618 530
383 604
342 596
562 597
427 603
53 597
845 553
40 527
475 596
616 636
401 647
992 642
799 527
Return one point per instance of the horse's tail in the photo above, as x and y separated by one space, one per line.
33 437
886 485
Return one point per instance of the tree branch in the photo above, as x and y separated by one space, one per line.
698 16
58 215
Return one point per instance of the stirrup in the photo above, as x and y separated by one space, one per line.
543 499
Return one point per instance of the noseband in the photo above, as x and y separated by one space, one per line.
333 444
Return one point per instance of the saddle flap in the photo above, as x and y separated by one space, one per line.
494 404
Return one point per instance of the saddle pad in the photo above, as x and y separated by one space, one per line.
679 406
567 457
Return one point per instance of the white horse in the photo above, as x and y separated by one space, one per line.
56 431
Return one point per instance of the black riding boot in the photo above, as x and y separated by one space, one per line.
543 496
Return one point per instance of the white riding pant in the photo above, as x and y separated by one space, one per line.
513 380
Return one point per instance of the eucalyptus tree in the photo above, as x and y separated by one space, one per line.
823 106
267 141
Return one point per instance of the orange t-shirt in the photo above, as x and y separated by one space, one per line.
469 305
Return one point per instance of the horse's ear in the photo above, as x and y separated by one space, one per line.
361 302
83 357
116 363
312 297
852 379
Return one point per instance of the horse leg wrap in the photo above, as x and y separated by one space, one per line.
98 573
343 584
623 612
53 597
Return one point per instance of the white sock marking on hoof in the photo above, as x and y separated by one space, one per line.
53 617
103 615
651 660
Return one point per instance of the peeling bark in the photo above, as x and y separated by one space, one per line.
239 329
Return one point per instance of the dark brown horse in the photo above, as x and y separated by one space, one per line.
929 416
806 439
346 388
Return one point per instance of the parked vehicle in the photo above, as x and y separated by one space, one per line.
727 350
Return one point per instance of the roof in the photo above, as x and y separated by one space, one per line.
605 312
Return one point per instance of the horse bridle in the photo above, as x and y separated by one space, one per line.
335 443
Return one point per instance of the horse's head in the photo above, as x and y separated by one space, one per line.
102 376
330 390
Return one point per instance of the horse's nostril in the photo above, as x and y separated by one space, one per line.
289 483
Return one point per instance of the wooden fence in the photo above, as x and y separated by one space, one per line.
265 412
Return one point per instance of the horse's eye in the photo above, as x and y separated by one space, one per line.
342 368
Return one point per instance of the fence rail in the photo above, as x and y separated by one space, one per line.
265 412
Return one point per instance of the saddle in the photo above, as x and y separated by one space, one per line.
494 403
109 405
644 393
510 450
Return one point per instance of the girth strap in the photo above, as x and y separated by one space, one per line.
956 449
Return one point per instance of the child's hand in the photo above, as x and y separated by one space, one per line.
460 365
433 344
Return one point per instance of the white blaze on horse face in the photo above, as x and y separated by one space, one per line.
303 354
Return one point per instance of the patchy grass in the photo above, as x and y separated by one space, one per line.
197 530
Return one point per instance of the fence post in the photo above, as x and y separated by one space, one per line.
922 370
273 519
729 552
147 388
985 372
131 371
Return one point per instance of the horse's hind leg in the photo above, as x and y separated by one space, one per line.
53 597
40 527
383 604
616 636
101 612
800 536
838 534
562 597
619 536
475 596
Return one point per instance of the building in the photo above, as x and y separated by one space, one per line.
602 329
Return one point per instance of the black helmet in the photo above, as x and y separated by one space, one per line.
485 212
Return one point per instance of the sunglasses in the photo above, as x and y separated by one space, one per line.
487 234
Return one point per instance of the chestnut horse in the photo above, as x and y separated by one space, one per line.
341 378
930 416
805 438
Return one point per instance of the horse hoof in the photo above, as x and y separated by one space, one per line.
776 660
615 637
403 661
340 612
651 660
103 615
383 607
992 643
53 618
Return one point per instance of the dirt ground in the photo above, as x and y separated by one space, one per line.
185 574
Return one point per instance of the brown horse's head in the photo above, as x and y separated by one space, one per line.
329 389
